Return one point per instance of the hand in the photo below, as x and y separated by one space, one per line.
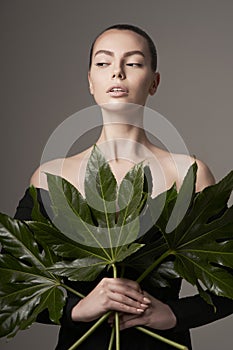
118 294
158 316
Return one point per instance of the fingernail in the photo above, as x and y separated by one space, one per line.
144 305
140 310
146 300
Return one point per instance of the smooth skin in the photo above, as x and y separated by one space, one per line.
121 58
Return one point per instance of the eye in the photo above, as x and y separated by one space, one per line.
101 64
134 64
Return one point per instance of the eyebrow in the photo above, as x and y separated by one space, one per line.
126 54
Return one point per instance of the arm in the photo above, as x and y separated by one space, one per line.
194 312
179 315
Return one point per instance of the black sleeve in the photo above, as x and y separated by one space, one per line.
194 312
23 212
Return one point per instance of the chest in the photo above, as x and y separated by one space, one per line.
164 175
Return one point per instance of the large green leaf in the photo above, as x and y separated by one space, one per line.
24 294
70 250
202 242
103 241
85 269
62 245
70 207
208 254
26 287
17 240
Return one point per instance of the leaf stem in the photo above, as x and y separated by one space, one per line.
155 264
144 330
90 331
111 338
117 330
159 337
114 270
117 323
72 290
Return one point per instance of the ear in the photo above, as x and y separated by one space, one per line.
155 84
90 84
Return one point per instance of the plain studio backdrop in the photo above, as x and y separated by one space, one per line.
44 55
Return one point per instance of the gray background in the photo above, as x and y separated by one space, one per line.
44 50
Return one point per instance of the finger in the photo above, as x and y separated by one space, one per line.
124 299
126 290
121 307
126 283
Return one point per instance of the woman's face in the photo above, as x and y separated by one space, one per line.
121 69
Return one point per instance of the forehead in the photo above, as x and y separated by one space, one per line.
121 41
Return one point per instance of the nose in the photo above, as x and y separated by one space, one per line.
118 72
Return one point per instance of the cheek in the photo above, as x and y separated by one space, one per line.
144 86
98 83
95 84
98 90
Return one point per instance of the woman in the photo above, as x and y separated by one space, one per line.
122 74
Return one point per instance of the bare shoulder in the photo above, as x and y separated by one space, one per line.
204 175
39 178
173 168
69 168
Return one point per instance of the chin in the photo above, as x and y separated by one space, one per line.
120 106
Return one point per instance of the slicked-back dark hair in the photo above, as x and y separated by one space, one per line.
135 29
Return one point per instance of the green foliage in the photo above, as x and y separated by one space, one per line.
26 287
200 246
202 242
190 235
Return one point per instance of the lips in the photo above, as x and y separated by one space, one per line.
117 91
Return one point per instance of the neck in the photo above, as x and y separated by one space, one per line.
123 135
